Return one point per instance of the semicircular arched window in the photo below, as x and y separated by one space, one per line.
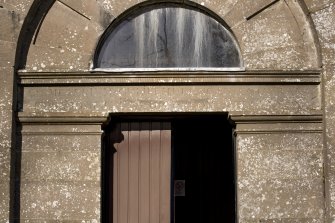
166 36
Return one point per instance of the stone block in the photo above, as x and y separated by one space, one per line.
6 94
268 44
280 198
316 5
69 166
324 21
283 220
60 201
280 142
293 220
282 58
115 7
329 77
60 130
4 201
328 54
20 6
5 161
331 193
88 8
7 54
75 33
9 26
260 99
57 221
56 59
284 164
61 143
221 8
6 97
244 9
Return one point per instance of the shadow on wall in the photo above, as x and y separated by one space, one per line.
33 21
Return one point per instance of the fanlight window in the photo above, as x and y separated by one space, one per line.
169 37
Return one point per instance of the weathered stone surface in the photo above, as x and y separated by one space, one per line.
219 7
5 164
282 174
6 88
61 143
75 41
6 92
88 8
20 6
324 20
281 164
281 142
259 99
316 5
4 201
79 35
280 198
115 7
7 53
268 44
243 9
58 130
276 127
48 58
6 117
70 166
283 220
60 201
9 26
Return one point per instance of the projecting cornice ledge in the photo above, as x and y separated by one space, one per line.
68 117
237 118
170 78
62 118
274 124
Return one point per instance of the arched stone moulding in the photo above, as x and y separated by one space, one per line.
273 35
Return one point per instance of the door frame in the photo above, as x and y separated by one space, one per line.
159 117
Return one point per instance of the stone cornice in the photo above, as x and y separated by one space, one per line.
314 118
62 118
312 77
99 118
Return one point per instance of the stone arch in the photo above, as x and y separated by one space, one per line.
294 48
276 36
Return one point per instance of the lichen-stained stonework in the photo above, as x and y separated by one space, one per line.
283 107
324 19
274 39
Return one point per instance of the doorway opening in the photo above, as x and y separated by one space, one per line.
169 169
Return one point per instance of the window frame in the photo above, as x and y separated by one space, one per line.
142 8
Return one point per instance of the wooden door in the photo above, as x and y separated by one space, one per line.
141 175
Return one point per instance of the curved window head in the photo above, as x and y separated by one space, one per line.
171 37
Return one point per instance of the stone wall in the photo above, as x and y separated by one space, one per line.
282 105
12 15
324 18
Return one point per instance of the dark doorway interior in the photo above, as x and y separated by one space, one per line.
203 156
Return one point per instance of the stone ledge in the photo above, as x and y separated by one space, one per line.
312 77
61 118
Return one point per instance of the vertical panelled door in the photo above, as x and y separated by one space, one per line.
142 173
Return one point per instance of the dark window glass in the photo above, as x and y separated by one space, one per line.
168 37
